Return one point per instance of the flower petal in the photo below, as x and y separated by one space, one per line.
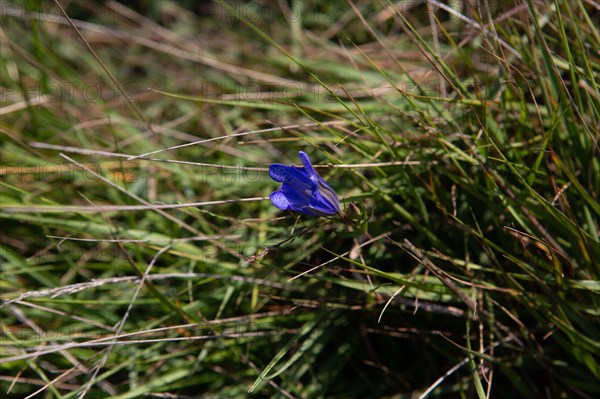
306 163
279 200
322 205
278 172
319 212
297 196
327 192
289 174
323 197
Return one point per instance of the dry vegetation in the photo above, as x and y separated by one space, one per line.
141 256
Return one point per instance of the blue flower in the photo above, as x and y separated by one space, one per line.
303 190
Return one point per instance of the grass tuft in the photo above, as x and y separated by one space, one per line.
141 256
